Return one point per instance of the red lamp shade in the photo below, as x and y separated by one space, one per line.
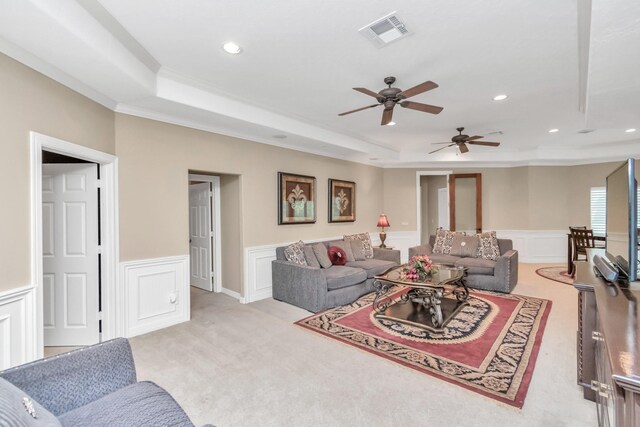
383 221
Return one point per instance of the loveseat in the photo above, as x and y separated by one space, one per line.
92 386
315 288
500 275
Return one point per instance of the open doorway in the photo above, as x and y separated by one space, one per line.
74 224
433 202
204 232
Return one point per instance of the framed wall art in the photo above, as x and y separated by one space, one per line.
342 201
296 199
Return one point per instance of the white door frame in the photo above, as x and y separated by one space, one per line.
217 243
420 174
112 312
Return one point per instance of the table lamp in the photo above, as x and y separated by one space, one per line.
383 222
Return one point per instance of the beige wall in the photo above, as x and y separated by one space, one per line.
30 101
520 198
154 162
430 184
231 233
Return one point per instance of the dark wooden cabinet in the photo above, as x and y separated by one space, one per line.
609 347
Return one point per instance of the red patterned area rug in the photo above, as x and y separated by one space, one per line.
489 347
557 274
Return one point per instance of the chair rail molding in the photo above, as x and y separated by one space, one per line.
538 246
18 341
154 293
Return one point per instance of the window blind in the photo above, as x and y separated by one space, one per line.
599 209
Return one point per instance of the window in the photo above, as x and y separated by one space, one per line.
599 209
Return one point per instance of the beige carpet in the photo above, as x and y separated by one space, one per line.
248 365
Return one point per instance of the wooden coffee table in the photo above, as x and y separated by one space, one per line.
424 305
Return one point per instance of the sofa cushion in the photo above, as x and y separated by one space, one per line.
320 250
366 240
310 257
340 276
477 265
444 241
464 246
295 253
139 404
444 259
357 247
18 409
488 247
372 266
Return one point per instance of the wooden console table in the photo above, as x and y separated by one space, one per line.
608 346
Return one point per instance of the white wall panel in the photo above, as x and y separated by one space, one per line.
17 327
155 293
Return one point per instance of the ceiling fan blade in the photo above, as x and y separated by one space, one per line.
487 143
366 92
463 148
421 88
448 142
359 109
421 107
442 148
473 138
387 115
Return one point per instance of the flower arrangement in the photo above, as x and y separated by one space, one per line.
418 268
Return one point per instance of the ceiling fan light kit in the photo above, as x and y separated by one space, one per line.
389 97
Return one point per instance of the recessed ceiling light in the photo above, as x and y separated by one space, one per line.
500 97
553 130
391 124
630 130
232 48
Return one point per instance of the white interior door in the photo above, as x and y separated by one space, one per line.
70 254
200 235
443 208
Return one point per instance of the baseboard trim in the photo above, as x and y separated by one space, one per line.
233 294
154 293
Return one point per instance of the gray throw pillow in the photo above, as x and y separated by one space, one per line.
295 253
465 246
18 409
346 247
357 247
320 250
310 256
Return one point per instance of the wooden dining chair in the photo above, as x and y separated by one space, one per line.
582 240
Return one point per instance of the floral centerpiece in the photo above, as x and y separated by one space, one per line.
417 269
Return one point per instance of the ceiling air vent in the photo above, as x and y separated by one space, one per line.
586 130
385 30
495 132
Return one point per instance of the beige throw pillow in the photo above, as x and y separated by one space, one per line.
444 241
366 240
488 247
295 253
465 246
357 247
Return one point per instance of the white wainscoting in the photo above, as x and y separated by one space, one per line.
17 327
154 293
400 240
538 246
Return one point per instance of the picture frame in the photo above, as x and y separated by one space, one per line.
296 199
342 201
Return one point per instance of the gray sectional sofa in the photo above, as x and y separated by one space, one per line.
92 386
500 275
316 289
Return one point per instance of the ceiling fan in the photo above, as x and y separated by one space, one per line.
462 140
391 96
